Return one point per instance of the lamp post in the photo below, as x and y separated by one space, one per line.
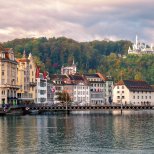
121 103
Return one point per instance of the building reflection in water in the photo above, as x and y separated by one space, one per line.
81 133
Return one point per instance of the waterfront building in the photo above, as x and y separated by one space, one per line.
81 89
32 79
97 94
23 67
85 89
75 85
58 81
50 92
108 88
69 69
133 92
8 76
140 48
41 87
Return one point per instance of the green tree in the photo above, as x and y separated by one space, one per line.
64 98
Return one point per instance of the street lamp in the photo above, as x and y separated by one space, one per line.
121 103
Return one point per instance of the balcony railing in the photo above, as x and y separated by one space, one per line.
25 96
9 86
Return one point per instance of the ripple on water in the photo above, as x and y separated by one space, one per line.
83 134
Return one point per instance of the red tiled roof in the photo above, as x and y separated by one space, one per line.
7 49
102 76
22 60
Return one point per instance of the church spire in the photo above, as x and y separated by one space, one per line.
73 62
136 42
24 54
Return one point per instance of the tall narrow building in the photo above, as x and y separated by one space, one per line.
32 77
24 95
8 76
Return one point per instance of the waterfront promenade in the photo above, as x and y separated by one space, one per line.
40 108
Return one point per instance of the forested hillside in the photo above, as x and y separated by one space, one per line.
90 57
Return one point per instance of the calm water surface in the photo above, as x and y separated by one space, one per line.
78 134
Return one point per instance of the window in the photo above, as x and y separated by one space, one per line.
133 97
2 72
122 91
149 97
138 97
117 87
123 97
118 97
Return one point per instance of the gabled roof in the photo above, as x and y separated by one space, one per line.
22 60
92 75
58 76
102 76
76 77
136 85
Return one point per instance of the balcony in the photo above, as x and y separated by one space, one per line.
32 84
25 96
9 86
12 98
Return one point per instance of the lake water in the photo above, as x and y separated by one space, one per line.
78 134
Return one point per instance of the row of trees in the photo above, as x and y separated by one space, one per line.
90 57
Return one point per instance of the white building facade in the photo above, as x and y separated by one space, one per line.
133 92
69 69
41 89
140 48
81 93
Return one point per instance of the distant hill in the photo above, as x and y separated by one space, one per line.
89 56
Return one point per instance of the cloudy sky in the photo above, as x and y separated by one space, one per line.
82 20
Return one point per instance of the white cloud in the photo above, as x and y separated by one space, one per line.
80 20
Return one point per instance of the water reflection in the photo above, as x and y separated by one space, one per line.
77 134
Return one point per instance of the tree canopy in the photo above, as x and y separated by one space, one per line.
90 57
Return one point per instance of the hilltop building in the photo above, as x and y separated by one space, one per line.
140 48
133 92
69 69
8 76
